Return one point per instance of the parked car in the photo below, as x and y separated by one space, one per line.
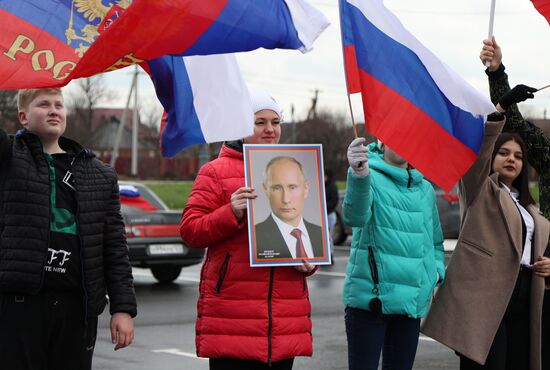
449 212
152 232
447 206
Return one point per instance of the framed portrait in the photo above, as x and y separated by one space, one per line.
287 222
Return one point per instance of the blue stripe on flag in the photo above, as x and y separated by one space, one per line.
399 68
174 91
247 25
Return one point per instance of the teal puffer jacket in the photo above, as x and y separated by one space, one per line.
397 247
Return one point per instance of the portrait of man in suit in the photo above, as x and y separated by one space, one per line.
285 233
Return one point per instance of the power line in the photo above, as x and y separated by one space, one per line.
435 12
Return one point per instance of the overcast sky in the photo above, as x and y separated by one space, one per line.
452 30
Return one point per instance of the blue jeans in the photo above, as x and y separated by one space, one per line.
368 334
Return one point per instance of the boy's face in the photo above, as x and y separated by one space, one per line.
45 116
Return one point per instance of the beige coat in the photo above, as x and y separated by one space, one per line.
468 308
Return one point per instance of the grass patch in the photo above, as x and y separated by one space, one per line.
173 193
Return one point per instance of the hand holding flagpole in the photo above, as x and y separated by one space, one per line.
491 26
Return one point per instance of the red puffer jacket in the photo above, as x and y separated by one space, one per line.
260 313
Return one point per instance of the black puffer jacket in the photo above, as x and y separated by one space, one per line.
25 223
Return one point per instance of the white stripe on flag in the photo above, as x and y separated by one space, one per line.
459 92
220 97
308 21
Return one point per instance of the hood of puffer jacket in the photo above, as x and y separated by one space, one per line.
400 176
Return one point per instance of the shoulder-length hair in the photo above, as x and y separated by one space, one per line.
520 183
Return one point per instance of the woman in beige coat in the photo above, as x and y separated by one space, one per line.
489 308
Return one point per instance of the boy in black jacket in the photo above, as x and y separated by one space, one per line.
62 244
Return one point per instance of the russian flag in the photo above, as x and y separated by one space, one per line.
543 6
205 99
47 43
412 101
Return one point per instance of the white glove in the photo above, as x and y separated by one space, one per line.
358 157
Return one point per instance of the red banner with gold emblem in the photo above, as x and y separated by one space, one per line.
47 43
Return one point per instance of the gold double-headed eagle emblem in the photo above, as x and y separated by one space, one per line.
94 11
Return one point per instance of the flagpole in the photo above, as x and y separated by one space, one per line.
491 25
346 77
352 118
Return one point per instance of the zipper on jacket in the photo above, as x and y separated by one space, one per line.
410 178
49 221
223 271
269 315
374 271
81 245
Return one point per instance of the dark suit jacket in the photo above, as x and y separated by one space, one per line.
269 238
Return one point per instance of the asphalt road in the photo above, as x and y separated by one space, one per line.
165 327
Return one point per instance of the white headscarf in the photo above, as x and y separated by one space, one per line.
262 100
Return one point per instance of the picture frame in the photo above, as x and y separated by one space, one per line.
287 221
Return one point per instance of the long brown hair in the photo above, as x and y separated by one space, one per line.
520 183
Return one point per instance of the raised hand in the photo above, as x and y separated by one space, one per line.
518 94
358 157
492 53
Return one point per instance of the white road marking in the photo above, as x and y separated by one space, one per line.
182 277
427 339
177 352
449 245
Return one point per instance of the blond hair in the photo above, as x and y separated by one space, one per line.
25 97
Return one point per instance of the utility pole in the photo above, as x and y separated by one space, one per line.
312 114
134 169
114 155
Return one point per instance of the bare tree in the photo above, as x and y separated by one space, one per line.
151 112
91 92
331 130
8 111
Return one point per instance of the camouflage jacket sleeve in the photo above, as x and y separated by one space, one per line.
536 141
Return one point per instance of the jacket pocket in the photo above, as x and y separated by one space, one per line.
477 247
373 270
223 272
375 304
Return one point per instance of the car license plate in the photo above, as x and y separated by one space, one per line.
156 249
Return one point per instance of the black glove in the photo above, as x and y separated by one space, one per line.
495 117
518 94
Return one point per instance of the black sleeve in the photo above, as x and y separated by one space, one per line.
118 271
537 142
332 196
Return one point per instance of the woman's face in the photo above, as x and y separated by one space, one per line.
508 162
267 128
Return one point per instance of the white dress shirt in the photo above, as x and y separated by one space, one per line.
529 225
290 240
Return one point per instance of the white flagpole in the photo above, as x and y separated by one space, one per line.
491 25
